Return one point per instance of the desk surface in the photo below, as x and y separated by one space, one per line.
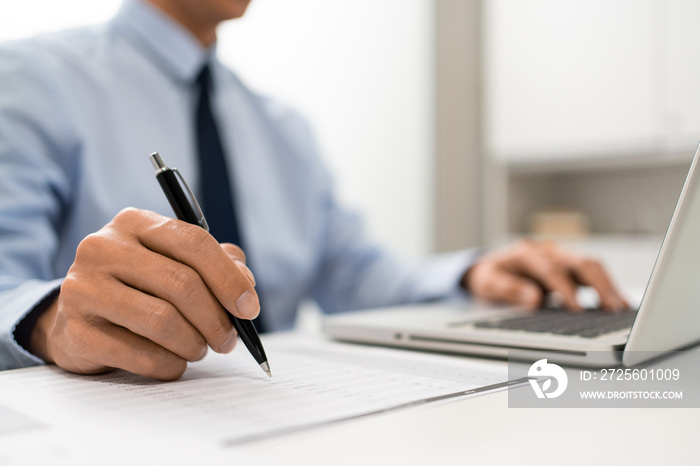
484 429
473 430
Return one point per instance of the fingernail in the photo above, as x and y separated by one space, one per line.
204 353
529 295
248 305
617 304
229 345
244 268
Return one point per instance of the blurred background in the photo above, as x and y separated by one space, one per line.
456 123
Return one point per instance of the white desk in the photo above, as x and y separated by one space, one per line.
484 429
468 431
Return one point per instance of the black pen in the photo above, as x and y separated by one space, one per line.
187 209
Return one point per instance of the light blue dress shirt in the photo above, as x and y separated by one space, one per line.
80 111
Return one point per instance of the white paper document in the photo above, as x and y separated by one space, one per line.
229 400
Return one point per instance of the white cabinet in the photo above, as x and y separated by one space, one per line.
590 79
681 120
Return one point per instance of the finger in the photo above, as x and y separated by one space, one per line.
153 318
553 275
181 287
116 251
238 256
496 284
93 345
592 273
116 303
248 273
119 348
234 251
193 246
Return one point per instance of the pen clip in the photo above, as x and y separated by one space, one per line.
193 200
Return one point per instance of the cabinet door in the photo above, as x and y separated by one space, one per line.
568 78
682 83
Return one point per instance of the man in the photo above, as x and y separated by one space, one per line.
89 285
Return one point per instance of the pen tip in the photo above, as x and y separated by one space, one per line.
266 367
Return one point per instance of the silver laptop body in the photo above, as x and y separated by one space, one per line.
668 317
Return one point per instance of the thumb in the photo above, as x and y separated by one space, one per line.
498 285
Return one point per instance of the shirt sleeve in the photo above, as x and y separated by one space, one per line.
356 273
34 188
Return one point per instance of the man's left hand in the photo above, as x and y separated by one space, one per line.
526 271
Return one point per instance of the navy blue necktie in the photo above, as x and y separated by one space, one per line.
217 195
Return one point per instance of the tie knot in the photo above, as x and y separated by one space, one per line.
204 81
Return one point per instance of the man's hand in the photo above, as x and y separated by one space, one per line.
146 294
524 272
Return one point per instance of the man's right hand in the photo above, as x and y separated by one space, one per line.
146 294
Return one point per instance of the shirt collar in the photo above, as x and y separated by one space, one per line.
166 42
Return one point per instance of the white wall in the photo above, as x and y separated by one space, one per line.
570 81
28 17
361 71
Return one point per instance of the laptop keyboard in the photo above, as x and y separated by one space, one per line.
590 324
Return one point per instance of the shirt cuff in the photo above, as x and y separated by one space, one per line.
441 275
15 304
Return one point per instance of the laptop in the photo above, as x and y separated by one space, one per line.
668 317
